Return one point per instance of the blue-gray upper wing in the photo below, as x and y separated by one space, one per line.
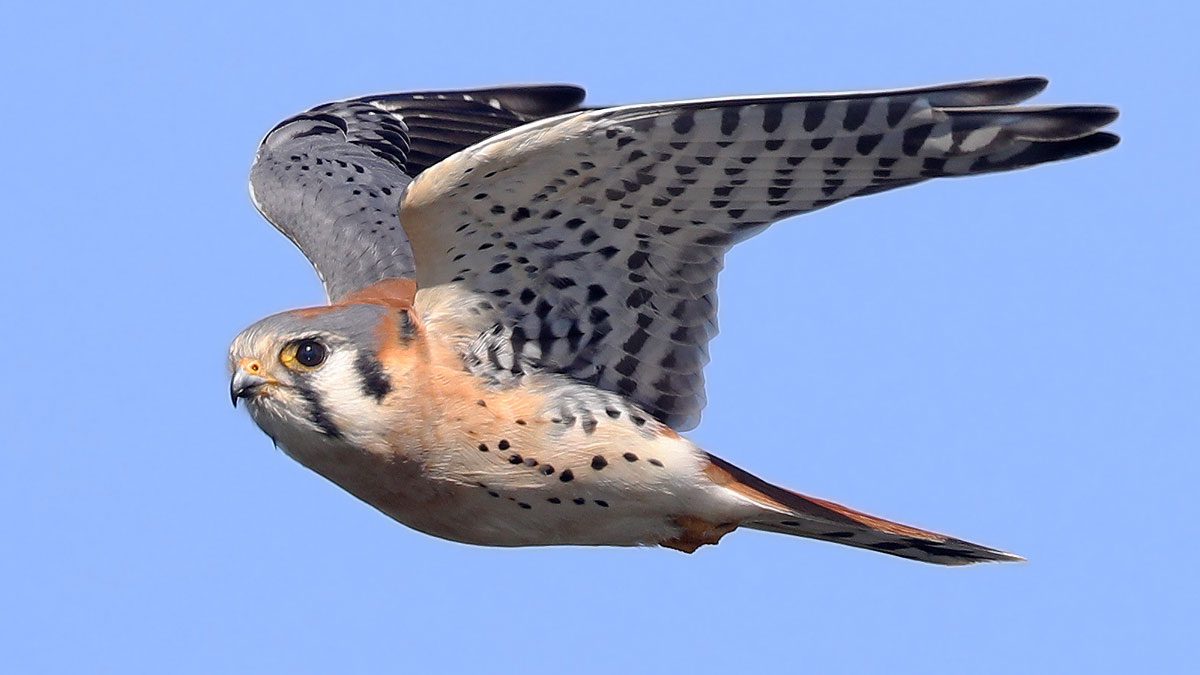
330 178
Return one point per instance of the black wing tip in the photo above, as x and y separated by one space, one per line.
1087 145
537 100
1085 118
1017 89
1105 140
1043 152
994 92
528 100
1029 85
563 97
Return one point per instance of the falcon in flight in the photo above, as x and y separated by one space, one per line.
522 290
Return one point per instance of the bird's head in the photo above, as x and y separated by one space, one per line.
314 376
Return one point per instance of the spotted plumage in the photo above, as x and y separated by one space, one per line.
523 293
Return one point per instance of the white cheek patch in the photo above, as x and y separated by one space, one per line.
346 395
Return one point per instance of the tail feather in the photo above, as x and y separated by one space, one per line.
792 513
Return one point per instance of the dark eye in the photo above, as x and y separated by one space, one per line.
310 353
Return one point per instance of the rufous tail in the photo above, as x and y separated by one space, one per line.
792 513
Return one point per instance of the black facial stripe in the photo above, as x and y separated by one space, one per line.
317 412
408 328
374 381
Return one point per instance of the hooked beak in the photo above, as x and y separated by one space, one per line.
245 384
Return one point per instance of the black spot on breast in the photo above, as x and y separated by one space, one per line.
567 476
524 505
655 462
515 459
580 501
630 457
503 445
554 500
373 380
483 447
601 502
546 470
598 462
493 493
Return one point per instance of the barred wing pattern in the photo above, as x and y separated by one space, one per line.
330 178
598 236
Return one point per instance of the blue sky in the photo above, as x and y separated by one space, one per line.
1012 359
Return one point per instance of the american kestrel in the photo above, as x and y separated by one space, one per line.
522 293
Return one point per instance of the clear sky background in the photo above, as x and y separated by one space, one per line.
1013 359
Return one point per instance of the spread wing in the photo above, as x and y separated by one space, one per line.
598 236
330 179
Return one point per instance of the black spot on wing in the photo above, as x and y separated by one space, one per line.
856 114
